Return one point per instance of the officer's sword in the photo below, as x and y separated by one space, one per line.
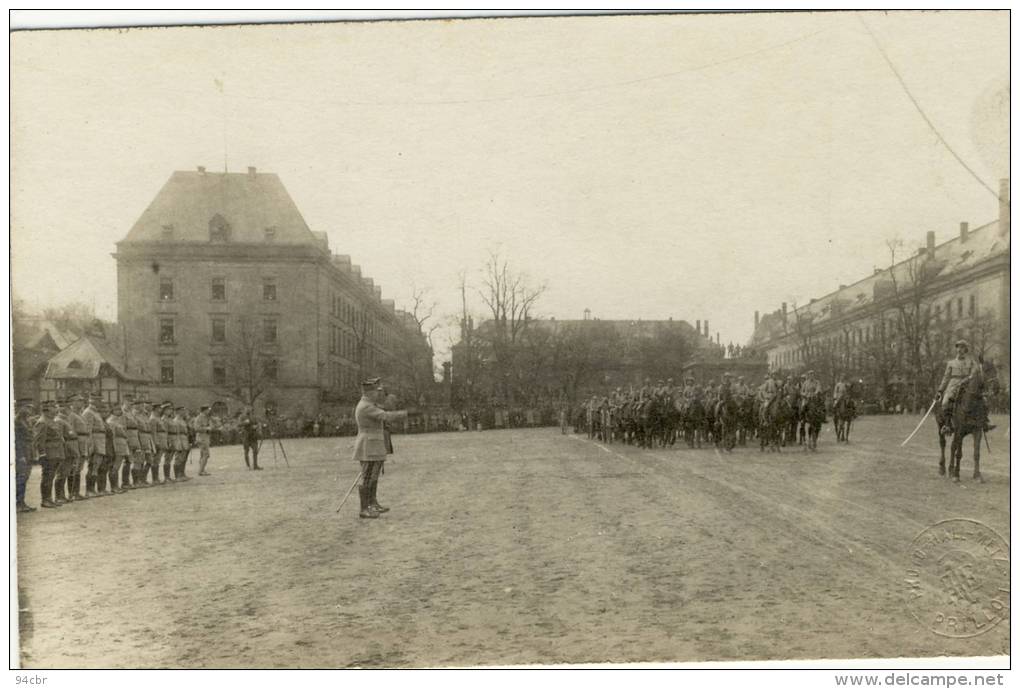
923 419
351 490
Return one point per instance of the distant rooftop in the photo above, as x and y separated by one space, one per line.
249 206
952 256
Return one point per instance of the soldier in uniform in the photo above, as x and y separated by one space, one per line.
768 392
958 370
250 438
95 474
48 436
66 467
140 468
121 450
810 385
840 391
170 449
370 445
22 453
134 444
83 435
203 427
183 444
158 427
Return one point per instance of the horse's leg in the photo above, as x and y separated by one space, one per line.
977 456
955 452
942 461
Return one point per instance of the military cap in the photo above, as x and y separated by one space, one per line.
180 407
371 384
128 397
23 403
47 404
117 409
963 343
76 398
204 407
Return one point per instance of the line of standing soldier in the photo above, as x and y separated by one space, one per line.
135 444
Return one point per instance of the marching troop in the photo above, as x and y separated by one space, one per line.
116 447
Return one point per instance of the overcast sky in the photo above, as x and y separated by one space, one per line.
643 167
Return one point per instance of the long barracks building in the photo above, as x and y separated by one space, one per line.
957 289
221 273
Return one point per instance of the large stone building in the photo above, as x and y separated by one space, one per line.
870 330
225 293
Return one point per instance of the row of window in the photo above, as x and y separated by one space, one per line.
218 289
269 330
343 343
168 371
358 320
219 230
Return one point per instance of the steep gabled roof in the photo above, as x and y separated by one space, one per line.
84 359
49 336
246 204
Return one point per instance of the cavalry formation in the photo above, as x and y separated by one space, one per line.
782 411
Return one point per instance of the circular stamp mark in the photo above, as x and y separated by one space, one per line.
957 582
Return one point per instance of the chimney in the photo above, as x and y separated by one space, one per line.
251 172
930 243
1004 206
697 325
201 169
717 338
964 231
756 318
842 286
707 334
784 313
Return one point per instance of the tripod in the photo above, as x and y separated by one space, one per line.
275 443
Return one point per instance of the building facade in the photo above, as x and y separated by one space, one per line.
893 331
225 293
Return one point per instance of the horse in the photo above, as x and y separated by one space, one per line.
812 414
772 420
726 423
843 413
967 418
692 415
791 406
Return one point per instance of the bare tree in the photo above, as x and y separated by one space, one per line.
913 309
510 301
250 368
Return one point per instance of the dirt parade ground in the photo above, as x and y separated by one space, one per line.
509 547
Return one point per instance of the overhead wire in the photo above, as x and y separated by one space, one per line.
924 116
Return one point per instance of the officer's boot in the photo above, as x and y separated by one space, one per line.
76 486
166 473
366 511
46 493
88 485
372 501
155 473
60 498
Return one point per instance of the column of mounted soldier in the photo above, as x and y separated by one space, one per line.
114 447
783 409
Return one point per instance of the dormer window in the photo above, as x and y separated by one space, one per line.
270 234
74 364
168 231
219 229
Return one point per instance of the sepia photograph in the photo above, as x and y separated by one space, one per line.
596 339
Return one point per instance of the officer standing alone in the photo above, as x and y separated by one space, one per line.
370 445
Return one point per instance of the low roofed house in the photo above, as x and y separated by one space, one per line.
89 365
34 341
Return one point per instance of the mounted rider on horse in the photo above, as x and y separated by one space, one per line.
958 371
